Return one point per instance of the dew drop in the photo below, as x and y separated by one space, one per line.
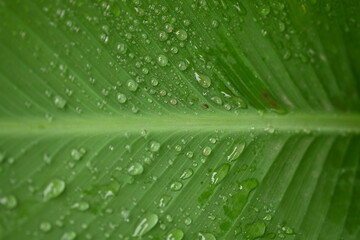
77 154
154 146
45 226
181 35
220 173
9 201
68 236
169 27
189 154
164 200
236 152
254 230
163 36
206 151
53 189
175 234
132 85
187 173
146 223
81 206
121 98
59 102
135 169
188 221
203 80
176 186
264 10
216 100
162 60
206 236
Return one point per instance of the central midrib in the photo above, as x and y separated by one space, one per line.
349 123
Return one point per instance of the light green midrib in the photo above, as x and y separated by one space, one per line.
349 123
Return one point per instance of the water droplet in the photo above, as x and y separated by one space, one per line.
183 65
212 140
9 201
132 85
81 206
135 169
181 35
216 100
121 47
68 236
169 27
53 189
176 186
146 223
77 154
236 152
203 80
45 226
163 36
206 151
178 148
220 173
188 221
154 82
186 174
162 60
206 236
189 154
164 200
254 230
121 97
154 146
59 102
175 234
264 9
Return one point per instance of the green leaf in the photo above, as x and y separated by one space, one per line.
203 119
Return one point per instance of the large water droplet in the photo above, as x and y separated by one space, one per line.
220 173
146 223
53 189
175 234
236 152
77 154
203 80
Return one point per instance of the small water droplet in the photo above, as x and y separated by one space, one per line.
68 236
163 36
9 201
146 223
135 169
216 100
189 154
254 230
59 102
164 200
81 206
77 154
188 221
45 226
53 189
